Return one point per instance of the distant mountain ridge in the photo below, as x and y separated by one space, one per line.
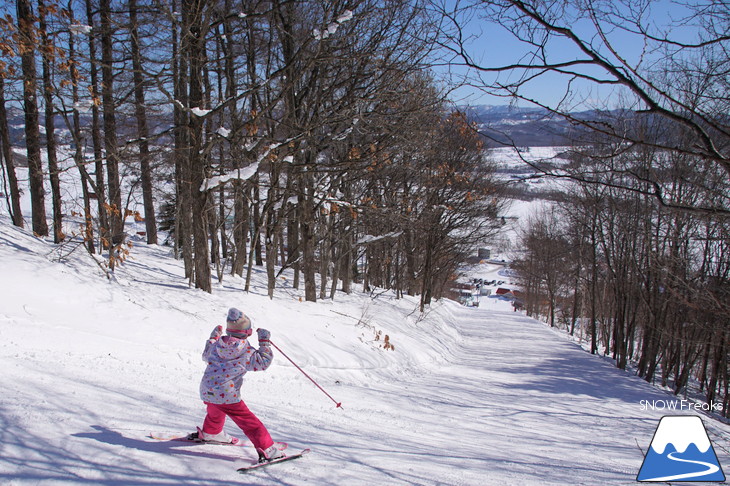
500 125
525 127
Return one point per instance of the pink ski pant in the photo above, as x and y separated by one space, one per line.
241 416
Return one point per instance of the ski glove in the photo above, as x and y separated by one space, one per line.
264 336
216 334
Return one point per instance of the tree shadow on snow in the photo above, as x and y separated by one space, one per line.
581 375
125 468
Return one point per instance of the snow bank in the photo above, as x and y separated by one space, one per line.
467 396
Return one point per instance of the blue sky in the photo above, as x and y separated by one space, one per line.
490 44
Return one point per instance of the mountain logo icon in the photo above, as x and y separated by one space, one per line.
681 451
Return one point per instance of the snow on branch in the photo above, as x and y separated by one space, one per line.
197 111
332 28
239 174
346 15
79 29
372 239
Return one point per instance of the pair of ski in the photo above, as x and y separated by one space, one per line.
193 437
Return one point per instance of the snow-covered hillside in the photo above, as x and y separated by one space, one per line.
469 396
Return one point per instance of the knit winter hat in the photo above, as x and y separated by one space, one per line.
238 324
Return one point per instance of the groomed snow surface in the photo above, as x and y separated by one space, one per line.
469 396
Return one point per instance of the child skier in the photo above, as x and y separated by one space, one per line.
229 358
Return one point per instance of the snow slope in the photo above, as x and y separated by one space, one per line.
469 396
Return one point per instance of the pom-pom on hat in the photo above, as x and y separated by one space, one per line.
238 324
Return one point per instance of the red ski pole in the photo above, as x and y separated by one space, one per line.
339 404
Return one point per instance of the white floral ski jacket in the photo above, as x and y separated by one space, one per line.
228 359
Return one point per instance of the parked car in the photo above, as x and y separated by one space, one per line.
467 298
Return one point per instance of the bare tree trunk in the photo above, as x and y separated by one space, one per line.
575 310
410 270
292 235
594 289
222 243
116 211
215 241
272 243
26 31
75 128
183 216
718 353
325 255
240 228
426 278
96 139
194 52
336 267
347 261
48 90
257 221
142 130
307 237
8 164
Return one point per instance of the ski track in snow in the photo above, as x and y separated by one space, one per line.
470 396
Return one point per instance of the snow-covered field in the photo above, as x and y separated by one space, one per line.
469 396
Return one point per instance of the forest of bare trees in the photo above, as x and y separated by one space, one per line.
636 254
312 136
286 135
646 284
